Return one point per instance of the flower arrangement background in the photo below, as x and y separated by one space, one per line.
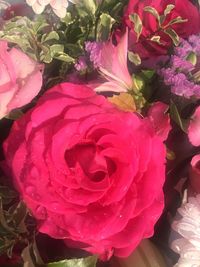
100 133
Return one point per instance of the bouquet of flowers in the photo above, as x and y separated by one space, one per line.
100 133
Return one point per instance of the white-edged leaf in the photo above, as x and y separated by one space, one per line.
153 11
168 9
173 35
134 58
135 18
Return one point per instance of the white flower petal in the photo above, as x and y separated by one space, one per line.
58 6
31 2
37 8
60 12
44 2
188 227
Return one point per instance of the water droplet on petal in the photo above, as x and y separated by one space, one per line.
55 206
30 190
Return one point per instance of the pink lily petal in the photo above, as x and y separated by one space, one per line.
113 63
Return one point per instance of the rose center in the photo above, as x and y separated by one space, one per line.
87 156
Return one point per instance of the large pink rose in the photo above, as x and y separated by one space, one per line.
147 48
89 173
20 79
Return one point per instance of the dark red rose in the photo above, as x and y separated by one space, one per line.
144 46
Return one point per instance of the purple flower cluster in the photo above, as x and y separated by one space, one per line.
94 50
179 74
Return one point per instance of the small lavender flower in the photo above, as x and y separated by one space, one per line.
182 70
183 49
94 50
81 64
194 41
182 64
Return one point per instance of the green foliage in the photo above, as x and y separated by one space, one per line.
135 18
59 42
12 220
84 262
173 35
31 258
134 58
35 38
104 27
192 58
163 26
153 12
175 115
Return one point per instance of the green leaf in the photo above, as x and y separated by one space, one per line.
18 215
87 5
84 262
192 58
50 36
67 19
56 48
15 114
174 114
138 82
154 12
168 9
104 27
173 35
124 101
134 58
176 21
148 74
64 57
135 18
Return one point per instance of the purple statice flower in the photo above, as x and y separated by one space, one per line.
179 74
180 85
168 75
194 40
182 64
94 50
81 64
183 49
183 87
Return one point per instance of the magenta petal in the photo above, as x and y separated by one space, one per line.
159 118
194 128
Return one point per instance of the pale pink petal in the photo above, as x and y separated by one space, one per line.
20 79
30 2
44 2
113 62
61 12
56 4
37 8
194 128
107 87
5 98
6 60
22 64
27 92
